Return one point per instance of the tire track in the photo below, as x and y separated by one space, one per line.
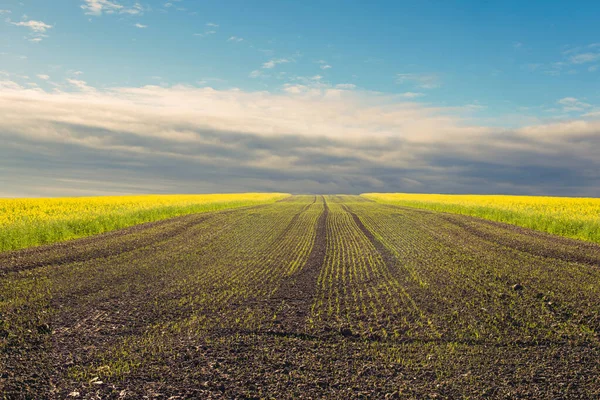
78 250
462 233
416 299
385 253
525 240
298 291
293 221
529 241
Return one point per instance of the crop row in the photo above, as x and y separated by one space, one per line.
32 222
358 293
126 310
476 289
566 216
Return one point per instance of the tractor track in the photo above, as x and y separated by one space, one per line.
297 291
110 244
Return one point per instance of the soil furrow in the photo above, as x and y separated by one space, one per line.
293 221
529 241
384 252
295 296
518 238
106 244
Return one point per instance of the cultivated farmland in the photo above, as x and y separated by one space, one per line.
306 297
574 217
33 222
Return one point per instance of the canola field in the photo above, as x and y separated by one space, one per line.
573 217
32 222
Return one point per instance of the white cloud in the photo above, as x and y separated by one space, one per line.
345 86
584 58
324 64
99 7
555 68
38 29
474 107
592 114
235 39
141 26
593 68
411 95
573 57
81 85
2 12
305 138
533 66
227 110
272 63
136 9
35 26
205 33
424 81
7 84
212 25
43 77
208 80
570 104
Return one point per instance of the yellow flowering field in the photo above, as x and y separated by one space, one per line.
29 222
574 217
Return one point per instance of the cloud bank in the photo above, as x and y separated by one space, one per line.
79 140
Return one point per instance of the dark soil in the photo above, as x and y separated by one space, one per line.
312 297
295 296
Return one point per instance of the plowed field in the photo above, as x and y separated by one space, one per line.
308 297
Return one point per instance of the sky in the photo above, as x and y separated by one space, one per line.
105 97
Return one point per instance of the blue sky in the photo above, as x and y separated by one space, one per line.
492 74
